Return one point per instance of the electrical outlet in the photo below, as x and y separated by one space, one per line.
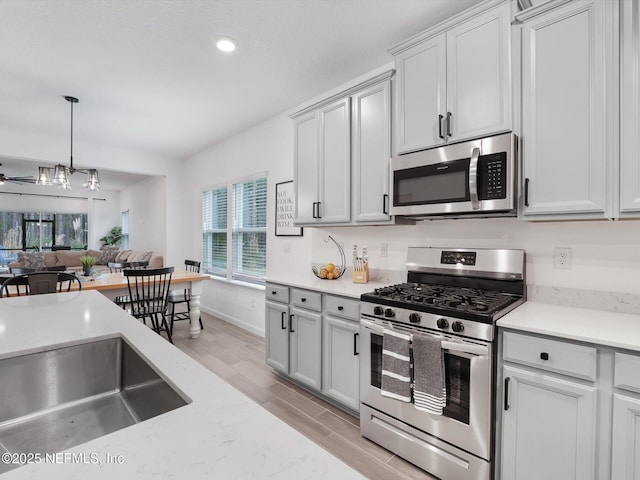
286 247
384 248
562 258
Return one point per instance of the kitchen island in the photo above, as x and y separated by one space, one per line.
220 433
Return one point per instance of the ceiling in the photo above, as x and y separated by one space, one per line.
148 75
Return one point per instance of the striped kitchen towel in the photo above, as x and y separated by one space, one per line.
396 366
429 393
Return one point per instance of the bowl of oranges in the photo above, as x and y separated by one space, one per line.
327 271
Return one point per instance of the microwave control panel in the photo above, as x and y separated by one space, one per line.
492 176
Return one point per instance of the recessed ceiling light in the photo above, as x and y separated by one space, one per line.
226 44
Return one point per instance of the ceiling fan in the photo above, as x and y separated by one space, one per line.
18 180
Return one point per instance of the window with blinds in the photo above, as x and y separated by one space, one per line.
124 239
214 231
249 230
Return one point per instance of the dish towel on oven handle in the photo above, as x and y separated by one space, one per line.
429 393
396 367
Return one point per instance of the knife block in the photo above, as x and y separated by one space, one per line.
361 276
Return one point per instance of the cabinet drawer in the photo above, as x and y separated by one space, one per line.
276 293
343 307
626 372
552 355
306 299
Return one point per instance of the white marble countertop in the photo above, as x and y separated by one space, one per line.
618 330
342 286
222 434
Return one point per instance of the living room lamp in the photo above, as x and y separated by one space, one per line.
61 173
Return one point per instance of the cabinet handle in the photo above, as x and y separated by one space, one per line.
282 325
340 307
355 343
291 330
313 210
440 118
385 204
506 393
449 124
526 192
544 356
319 203
273 292
303 299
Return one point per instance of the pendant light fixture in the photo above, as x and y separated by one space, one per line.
61 173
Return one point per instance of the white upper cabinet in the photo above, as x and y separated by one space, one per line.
630 109
454 84
322 164
371 150
566 111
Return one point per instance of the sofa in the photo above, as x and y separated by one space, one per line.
71 258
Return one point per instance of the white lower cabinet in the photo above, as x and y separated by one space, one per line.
312 338
549 427
341 361
625 455
306 343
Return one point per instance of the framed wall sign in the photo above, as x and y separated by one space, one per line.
285 210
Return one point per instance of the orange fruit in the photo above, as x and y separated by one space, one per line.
330 276
330 267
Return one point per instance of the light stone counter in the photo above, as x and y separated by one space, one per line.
221 434
618 330
343 286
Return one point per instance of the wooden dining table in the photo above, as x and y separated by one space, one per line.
112 285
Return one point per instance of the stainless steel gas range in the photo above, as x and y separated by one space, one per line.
455 295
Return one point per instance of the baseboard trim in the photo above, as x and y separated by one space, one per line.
235 321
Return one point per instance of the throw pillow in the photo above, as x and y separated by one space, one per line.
108 254
31 259
123 255
139 256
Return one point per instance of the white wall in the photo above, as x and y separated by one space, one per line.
265 147
146 202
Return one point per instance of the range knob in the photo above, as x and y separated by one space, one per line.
442 323
414 318
378 310
457 327
389 313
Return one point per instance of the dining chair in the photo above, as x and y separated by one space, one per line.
37 283
15 286
21 270
139 264
183 296
148 292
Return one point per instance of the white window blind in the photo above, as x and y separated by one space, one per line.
249 230
214 231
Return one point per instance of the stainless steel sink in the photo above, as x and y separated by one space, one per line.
59 398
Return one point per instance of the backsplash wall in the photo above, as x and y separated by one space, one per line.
605 255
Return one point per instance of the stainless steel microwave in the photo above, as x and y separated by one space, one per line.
470 179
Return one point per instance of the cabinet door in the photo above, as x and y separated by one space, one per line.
630 107
306 343
625 455
421 75
335 163
549 427
563 111
478 79
306 169
277 336
341 361
371 125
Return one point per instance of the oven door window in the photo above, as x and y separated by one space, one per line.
445 182
458 382
376 360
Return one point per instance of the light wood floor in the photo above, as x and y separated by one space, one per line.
238 357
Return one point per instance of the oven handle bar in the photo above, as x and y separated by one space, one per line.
450 345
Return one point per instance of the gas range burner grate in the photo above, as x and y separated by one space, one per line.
442 297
